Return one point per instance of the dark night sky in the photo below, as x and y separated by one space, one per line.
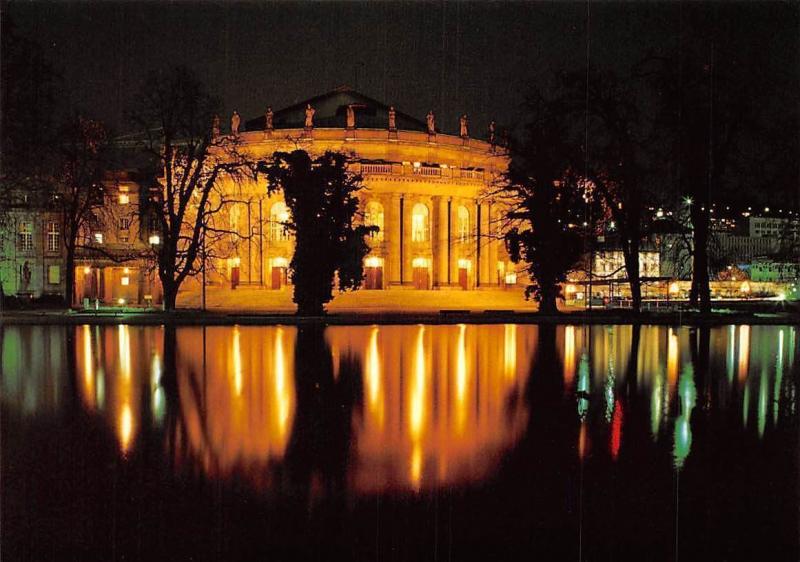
452 57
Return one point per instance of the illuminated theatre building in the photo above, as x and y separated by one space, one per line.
427 193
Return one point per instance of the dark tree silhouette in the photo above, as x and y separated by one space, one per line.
78 189
321 196
540 190
175 115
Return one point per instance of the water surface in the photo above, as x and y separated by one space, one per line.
400 443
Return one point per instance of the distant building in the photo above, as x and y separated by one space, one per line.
766 269
31 248
610 264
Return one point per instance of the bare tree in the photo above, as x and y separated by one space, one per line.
79 185
176 117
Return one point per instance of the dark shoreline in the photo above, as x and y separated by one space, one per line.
197 318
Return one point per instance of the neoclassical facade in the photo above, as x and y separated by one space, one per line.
428 192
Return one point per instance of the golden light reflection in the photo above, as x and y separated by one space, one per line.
450 401
237 398
280 381
510 350
237 361
418 387
744 351
672 358
89 392
373 378
569 357
124 350
125 427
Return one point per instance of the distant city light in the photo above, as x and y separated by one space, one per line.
155 239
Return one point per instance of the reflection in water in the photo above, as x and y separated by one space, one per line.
442 403
410 407
236 404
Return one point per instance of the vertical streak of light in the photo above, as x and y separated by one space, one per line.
124 350
374 377
418 407
88 366
569 357
776 392
237 361
280 382
461 376
744 351
510 351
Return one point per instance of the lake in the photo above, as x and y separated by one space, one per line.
457 442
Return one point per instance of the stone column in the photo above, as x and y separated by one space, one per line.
407 209
485 274
493 242
392 239
439 241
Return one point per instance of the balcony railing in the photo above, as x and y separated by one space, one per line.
376 168
427 171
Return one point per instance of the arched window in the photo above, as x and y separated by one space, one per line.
278 217
373 216
419 223
462 224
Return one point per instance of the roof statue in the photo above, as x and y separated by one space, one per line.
430 119
268 119
215 127
491 132
235 122
351 117
462 121
392 118
309 122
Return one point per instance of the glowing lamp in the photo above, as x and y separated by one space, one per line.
120 301
674 288
87 270
372 261
744 287
155 239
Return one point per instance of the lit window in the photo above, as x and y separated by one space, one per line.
125 280
278 217
25 240
373 216
124 198
98 237
52 236
419 223
462 224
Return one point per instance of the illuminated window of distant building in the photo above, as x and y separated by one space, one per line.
462 224
278 217
53 233
53 275
419 223
98 237
124 197
373 216
25 239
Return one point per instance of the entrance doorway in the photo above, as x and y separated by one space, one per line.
421 268
278 277
463 273
373 273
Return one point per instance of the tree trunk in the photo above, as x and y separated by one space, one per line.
170 290
547 300
700 293
69 276
631 255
